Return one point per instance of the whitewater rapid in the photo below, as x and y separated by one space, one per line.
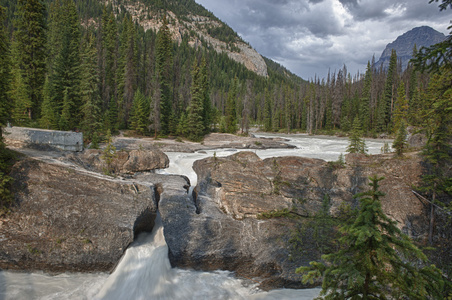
144 272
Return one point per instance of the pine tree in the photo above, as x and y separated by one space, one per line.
164 58
357 144
31 41
109 154
376 260
195 123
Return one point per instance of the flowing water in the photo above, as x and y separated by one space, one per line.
145 272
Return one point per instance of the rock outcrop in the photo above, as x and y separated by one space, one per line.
69 220
125 162
219 228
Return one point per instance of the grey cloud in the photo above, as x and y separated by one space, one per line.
310 36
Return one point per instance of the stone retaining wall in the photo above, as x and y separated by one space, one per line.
63 140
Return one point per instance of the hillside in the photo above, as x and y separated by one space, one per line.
423 36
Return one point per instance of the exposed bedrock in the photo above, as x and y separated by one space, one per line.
67 219
219 229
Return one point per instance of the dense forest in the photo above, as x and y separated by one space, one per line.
80 65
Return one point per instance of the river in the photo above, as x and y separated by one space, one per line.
145 272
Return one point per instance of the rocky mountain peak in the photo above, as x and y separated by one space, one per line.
423 36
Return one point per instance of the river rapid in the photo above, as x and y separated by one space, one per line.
144 272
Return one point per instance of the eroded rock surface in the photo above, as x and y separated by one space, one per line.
220 229
125 162
66 219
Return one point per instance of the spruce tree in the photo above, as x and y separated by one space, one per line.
400 144
364 103
6 197
390 89
357 144
376 260
5 73
66 71
195 125
139 119
49 118
437 117
89 90
31 41
400 107
207 114
164 58
267 111
109 41
231 108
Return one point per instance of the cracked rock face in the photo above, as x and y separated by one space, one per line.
67 219
219 229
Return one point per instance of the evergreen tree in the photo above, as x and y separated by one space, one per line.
390 88
164 58
127 69
376 260
400 107
231 108
6 197
195 112
109 154
49 118
109 34
267 111
5 73
31 41
22 104
364 112
89 90
207 116
140 113
357 144
65 120
400 144
66 72
437 116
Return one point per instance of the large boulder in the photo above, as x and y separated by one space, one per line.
124 162
218 229
66 219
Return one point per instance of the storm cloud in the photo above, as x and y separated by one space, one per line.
311 36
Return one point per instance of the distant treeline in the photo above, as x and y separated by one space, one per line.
79 65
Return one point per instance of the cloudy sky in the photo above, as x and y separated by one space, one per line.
310 36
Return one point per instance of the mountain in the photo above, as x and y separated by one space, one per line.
188 17
423 36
